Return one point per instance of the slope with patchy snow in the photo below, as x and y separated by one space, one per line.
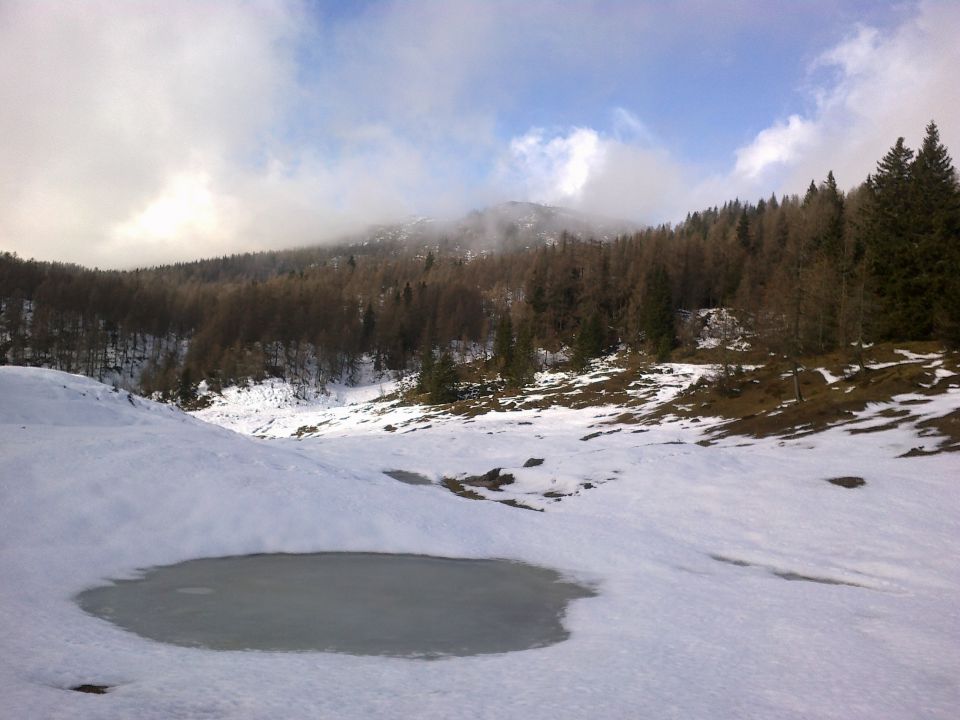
734 581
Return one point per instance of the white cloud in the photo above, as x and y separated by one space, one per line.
880 86
556 169
135 133
780 144
120 124
185 206
596 172
139 133
877 87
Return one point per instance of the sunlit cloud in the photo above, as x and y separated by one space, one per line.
555 169
780 144
879 86
138 133
184 207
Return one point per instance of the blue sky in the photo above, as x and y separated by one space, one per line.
137 133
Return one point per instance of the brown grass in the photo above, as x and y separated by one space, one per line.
761 403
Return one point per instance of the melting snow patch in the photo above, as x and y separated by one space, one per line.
828 376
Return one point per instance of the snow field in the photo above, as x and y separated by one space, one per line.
95 485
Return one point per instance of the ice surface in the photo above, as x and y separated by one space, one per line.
359 603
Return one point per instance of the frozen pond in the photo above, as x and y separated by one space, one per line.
359 603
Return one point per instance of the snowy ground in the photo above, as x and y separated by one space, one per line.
734 581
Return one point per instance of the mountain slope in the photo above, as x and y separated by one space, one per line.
508 226
733 580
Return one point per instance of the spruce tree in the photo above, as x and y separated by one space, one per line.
893 256
425 379
444 380
522 366
589 342
369 326
503 342
743 231
936 198
657 312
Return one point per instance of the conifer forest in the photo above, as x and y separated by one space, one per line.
805 275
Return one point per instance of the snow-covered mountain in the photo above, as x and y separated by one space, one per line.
732 579
507 226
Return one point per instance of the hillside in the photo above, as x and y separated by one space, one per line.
823 274
720 560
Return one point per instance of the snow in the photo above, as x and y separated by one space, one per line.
684 543
718 326
242 407
828 377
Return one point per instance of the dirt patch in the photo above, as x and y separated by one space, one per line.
591 436
731 561
946 426
457 488
784 574
492 480
811 578
518 504
848 481
92 689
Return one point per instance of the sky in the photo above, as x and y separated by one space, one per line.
140 133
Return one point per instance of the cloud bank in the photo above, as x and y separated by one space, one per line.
863 94
138 133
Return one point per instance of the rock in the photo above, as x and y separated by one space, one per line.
849 481
92 689
491 480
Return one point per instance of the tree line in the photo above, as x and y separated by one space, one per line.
807 274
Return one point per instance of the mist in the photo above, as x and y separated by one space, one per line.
137 134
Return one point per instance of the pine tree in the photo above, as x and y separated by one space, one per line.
444 379
657 312
503 342
425 379
522 367
894 261
936 200
186 391
369 326
831 234
743 231
589 342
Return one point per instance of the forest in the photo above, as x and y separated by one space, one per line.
826 271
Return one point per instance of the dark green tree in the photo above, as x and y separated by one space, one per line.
589 341
503 342
427 361
896 275
522 366
369 325
936 200
657 312
186 390
743 231
444 379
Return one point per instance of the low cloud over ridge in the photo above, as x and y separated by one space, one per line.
133 134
